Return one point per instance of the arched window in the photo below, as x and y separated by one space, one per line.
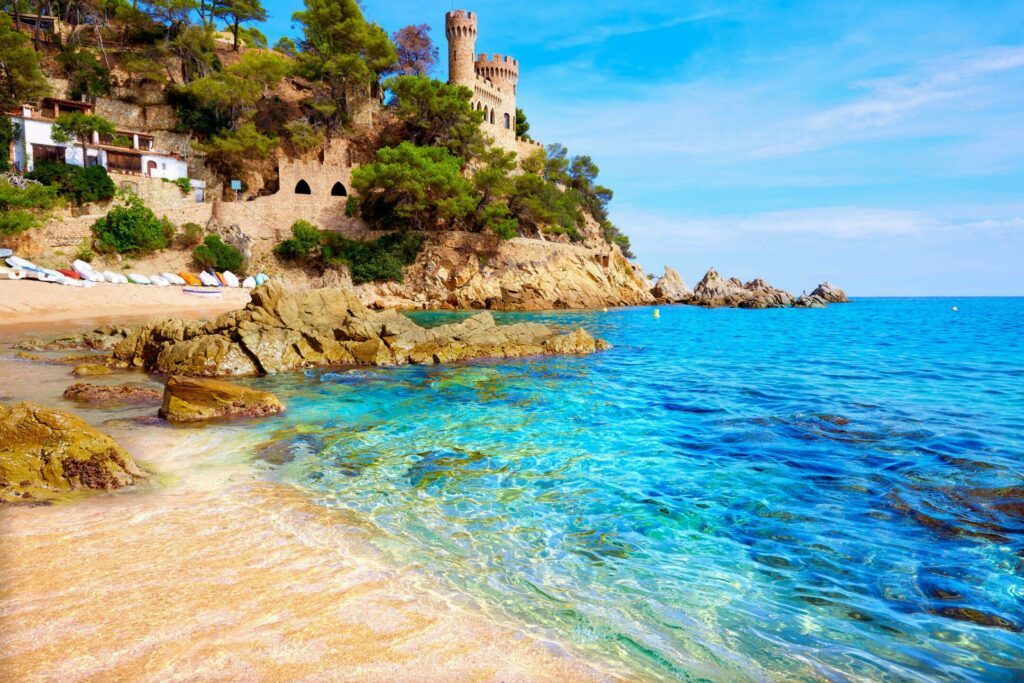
302 187
485 113
492 117
508 122
338 190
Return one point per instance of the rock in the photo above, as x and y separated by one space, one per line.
463 270
715 292
76 359
809 301
190 399
124 393
44 453
101 339
670 288
90 370
830 294
280 331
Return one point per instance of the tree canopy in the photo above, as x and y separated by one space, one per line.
20 76
417 54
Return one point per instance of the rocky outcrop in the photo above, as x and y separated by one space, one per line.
830 294
44 453
463 270
191 399
713 291
670 288
279 331
101 339
122 393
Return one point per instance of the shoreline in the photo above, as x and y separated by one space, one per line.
214 568
28 306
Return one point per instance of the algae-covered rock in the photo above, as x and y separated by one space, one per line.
192 399
90 370
280 331
44 453
122 393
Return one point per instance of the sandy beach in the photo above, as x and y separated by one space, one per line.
29 303
215 571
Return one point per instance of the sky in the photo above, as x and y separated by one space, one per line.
876 144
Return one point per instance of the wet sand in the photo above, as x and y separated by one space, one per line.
214 571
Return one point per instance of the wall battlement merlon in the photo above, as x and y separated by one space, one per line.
497 60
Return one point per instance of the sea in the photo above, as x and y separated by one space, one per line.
830 494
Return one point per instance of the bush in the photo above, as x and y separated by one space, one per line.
379 260
85 254
131 228
213 253
191 234
80 185
304 241
24 208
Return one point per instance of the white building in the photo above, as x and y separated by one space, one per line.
127 152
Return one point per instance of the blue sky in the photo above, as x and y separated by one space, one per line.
876 144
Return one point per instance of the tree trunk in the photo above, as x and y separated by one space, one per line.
235 31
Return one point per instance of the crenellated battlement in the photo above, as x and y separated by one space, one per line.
493 78
460 23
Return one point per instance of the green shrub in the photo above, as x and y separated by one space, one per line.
379 260
304 241
85 254
191 234
80 185
213 253
24 208
131 228
184 184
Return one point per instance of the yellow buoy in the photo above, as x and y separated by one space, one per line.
657 313
604 310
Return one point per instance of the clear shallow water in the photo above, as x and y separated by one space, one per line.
725 494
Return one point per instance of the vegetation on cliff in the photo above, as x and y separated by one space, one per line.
132 228
382 259
428 165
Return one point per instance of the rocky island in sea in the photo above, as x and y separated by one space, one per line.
316 366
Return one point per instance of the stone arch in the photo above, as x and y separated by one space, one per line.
302 187
339 190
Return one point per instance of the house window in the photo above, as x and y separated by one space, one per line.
338 190
50 153
302 187
126 163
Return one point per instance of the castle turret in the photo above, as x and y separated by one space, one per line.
460 29
502 71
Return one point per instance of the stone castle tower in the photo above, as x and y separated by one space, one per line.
492 78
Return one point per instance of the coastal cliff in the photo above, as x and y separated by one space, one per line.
472 271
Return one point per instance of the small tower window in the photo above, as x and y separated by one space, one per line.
508 122
338 190
492 117
302 187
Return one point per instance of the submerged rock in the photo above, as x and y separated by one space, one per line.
280 331
191 399
44 453
90 370
670 288
100 339
74 359
713 291
123 393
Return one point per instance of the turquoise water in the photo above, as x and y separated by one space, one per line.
817 494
